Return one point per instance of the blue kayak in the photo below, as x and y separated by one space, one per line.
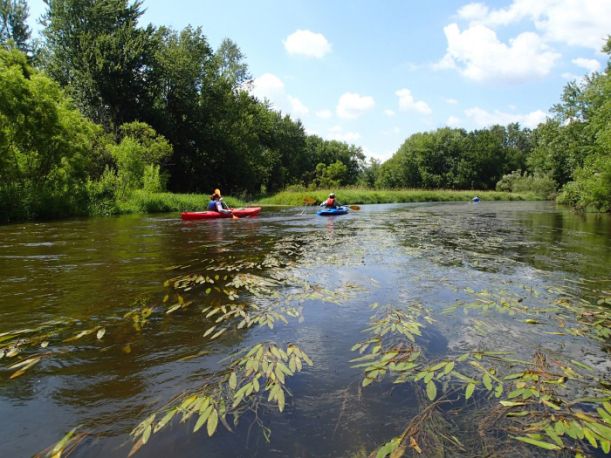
333 211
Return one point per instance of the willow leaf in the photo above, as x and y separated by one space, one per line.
541 444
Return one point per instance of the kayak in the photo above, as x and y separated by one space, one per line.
239 212
333 211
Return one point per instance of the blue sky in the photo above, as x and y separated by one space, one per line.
373 72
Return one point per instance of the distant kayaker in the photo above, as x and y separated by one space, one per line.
330 202
218 191
215 204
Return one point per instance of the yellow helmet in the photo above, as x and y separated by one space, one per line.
217 191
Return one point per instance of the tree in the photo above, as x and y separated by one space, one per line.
140 152
14 30
45 144
231 64
96 51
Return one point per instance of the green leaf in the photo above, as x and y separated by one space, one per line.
202 418
511 403
449 368
213 421
431 390
541 444
233 381
469 390
146 434
487 381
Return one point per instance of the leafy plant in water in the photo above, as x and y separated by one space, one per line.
540 413
264 368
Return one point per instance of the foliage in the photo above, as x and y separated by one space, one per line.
140 149
575 147
516 181
591 188
456 159
359 195
14 30
97 52
45 145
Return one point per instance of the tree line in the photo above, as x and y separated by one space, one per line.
100 106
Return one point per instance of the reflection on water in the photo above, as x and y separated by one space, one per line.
491 276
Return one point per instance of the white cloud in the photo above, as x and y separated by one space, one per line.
352 105
269 86
574 22
591 65
482 118
451 101
307 43
338 133
479 55
407 102
389 113
473 11
453 121
297 107
324 114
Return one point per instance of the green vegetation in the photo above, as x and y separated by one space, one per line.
119 107
383 196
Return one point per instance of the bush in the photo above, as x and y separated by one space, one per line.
103 194
540 184
591 188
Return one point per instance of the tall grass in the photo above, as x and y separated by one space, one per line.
375 196
163 202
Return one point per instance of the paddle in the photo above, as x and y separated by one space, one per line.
354 207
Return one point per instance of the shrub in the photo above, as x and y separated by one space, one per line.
540 184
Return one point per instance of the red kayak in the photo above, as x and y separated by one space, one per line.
239 212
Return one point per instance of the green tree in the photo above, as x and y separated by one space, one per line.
14 30
45 145
96 50
139 154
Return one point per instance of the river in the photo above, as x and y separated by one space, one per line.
108 316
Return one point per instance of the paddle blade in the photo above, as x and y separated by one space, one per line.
354 207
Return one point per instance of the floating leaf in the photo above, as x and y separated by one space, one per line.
511 403
213 421
469 390
538 443
431 390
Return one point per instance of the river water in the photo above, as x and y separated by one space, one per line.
111 310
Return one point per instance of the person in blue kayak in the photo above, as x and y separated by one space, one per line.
330 202
215 204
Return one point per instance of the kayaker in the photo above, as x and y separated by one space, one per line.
215 204
330 202
218 191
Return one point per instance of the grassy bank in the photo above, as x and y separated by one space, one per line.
148 202
383 196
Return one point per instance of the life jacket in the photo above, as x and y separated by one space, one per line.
212 206
330 203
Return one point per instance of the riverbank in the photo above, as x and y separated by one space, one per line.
165 202
388 196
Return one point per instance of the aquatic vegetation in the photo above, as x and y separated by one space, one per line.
535 400
260 373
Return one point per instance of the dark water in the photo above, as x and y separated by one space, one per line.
58 279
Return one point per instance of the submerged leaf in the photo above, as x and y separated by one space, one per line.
538 443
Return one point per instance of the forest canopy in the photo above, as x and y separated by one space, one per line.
100 89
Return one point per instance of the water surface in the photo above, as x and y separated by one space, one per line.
59 279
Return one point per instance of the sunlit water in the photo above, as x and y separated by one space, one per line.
81 274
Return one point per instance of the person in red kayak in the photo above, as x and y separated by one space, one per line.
215 204
330 202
